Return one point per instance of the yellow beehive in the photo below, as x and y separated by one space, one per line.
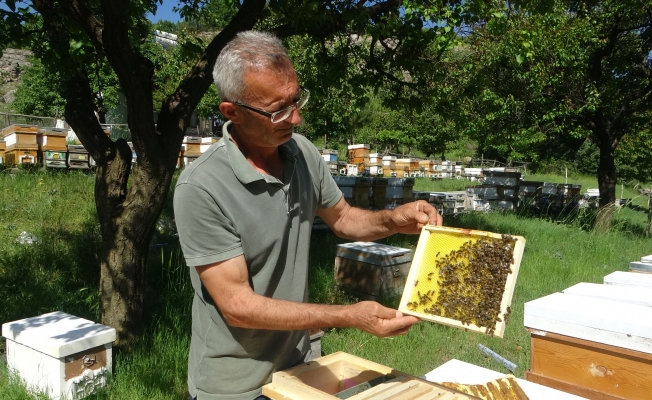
463 278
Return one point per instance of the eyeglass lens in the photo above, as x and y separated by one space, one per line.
286 112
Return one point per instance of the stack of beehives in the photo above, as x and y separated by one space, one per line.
358 159
21 144
389 166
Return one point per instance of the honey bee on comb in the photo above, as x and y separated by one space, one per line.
469 283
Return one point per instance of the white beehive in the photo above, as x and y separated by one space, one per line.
65 356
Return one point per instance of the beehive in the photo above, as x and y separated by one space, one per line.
344 376
593 340
371 270
78 157
2 151
52 139
358 154
66 356
191 146
463 278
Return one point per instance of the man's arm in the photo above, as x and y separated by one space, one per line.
358 224
228 284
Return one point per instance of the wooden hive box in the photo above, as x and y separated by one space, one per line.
344 376
593 340
52 139
378 192
55 158
371 270
2 151
20 137
192 147
78 157
66 356
358 152
629 279
15 157
463 278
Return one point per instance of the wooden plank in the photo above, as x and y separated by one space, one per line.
608 315
569 387
634 295
424 261
545 325
628 279
604 368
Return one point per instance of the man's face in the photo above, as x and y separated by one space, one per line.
269 91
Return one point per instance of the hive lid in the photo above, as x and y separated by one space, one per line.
607 321
374 253
58 334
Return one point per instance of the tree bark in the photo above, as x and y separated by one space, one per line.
607 178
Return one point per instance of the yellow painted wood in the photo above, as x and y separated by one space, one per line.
435 243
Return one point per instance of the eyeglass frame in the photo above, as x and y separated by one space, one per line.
271 115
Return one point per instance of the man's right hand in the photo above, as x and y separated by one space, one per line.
380 321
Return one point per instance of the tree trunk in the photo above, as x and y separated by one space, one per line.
606 183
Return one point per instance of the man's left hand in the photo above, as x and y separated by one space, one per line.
411 217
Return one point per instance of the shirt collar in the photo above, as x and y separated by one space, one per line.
244 171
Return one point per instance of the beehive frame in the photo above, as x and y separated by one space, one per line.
423 278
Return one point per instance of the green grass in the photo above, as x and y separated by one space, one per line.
61 273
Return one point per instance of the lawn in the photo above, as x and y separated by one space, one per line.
61 273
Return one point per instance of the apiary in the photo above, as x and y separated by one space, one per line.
371 270
592 340
344 376
355 189
78 157
463 278
66 356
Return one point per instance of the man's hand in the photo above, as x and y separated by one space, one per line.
380 321
411 217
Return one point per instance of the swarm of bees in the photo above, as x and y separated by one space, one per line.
471 281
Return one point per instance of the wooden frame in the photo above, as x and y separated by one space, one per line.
324 377
418 264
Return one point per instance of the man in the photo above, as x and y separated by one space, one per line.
244 211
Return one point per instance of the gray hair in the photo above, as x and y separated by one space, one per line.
249 51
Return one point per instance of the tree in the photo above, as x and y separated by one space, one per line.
575 70
72 34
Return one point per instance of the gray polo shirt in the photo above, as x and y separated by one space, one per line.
224 208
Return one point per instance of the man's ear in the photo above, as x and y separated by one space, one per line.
230 111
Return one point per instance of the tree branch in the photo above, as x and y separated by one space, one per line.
85 18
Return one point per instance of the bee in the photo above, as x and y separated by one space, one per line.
416 282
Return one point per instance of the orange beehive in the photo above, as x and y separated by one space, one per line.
20 137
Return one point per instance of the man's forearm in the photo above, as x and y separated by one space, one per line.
359 224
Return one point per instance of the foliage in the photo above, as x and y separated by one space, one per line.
42 90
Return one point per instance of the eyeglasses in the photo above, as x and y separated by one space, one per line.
283 114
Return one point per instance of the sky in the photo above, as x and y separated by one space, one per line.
164 12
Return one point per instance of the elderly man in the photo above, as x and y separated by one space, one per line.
244 211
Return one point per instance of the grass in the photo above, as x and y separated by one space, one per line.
61 273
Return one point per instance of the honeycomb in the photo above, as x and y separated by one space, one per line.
462 277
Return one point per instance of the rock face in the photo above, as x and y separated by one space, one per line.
12 63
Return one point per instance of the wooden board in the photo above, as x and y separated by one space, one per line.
628 279
635 295
590 369
436 243
324 377
610 322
